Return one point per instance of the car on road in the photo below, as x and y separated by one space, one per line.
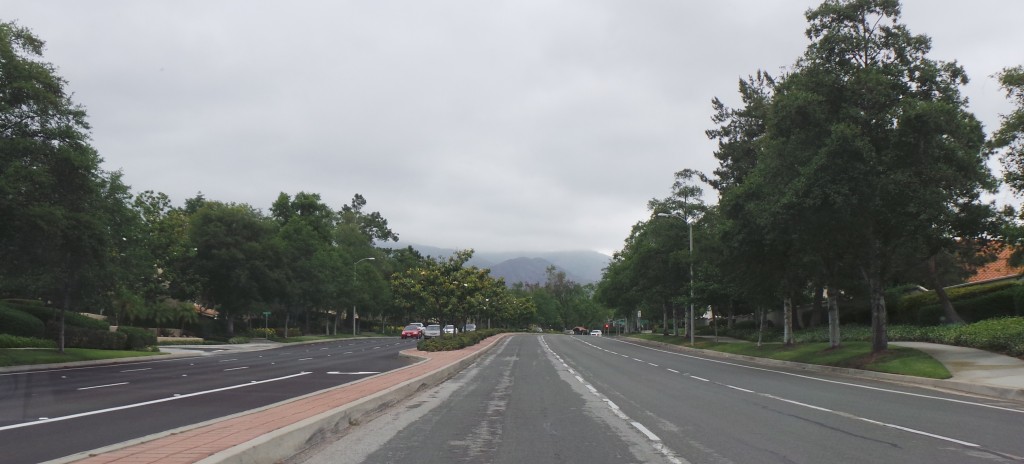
431 331
469 328
595 332
412 331
450 329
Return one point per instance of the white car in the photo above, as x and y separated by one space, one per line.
450 329
595 332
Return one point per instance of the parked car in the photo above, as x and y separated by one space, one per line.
431 331
450 329
595 332
469 328
412 331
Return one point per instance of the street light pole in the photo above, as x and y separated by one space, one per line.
690 226
354 317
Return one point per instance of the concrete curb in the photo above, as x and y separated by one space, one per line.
992 391
300 436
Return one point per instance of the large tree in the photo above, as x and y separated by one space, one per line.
878 139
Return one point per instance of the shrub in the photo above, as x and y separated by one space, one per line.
138 339
78 337
973 303
456 342
12 341
1003 335
20 323
292 332
262 333
181 341
238 340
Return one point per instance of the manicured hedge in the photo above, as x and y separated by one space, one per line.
456 342
973 303
12 341
21 324
137 339
78 337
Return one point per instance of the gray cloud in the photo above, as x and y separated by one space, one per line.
515 125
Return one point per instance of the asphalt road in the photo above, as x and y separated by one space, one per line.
48 414
565 399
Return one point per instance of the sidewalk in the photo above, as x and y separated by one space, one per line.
971 365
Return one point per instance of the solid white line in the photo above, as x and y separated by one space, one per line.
104 386
919 432
137 370
236 368
848 384
650 435
145 403
699 378
819 408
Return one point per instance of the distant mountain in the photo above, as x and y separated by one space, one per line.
583 267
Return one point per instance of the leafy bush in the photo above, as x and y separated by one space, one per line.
78 337
263 333
12 341
238 340
292 332
973 303
138 339
20 323
462 340
1002 335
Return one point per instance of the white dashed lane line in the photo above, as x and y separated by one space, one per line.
811 406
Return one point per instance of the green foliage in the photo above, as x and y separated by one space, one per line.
20 323
973 303
137 338
462 340
13 341
262 333
79 337
1002 335
238 340
181 341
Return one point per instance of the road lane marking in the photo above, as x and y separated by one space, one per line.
740 389
305 359
836 382
236 368
655 441
702 379
137 370
655 365
672 370
351 373
146 403
226 360
104 386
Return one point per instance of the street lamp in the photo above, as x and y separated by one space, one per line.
354 317
690 225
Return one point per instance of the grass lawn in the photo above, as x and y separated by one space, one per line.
26 356
856 355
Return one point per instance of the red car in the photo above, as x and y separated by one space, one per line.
412 331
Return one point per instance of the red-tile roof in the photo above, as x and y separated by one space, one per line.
997 269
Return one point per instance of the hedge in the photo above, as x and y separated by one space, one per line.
19 323
456 342
71 318
12 341
973 303
138 339
78 337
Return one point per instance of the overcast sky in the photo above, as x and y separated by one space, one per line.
520 125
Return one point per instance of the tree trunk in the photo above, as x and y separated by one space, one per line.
833 319
664 318
879 334
951 316
760 312
787 321
675 319
731 317
817 306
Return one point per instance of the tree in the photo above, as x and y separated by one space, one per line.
1010 135
54 198
881 136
